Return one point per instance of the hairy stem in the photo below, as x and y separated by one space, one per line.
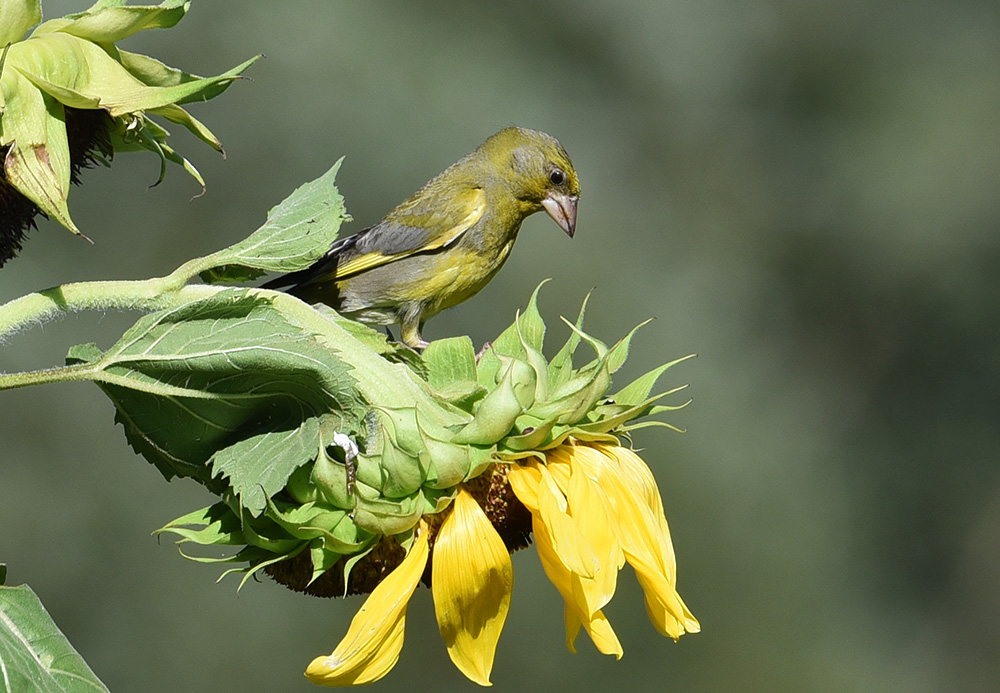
42 306
147 294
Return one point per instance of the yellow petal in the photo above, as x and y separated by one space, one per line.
598 628
662 613
638 475
524 480
578 611
590 512
560 468
472 582
586 590
664 606
373 642
573 626
645 537
570 544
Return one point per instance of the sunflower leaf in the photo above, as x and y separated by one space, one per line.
35 655
227 391
298 231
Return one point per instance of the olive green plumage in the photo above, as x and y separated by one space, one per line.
445 243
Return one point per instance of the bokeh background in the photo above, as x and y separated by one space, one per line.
803 193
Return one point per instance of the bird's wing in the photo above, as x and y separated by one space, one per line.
418 225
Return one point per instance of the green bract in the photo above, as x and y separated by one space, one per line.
71 64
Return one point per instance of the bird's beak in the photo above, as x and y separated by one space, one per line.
562 209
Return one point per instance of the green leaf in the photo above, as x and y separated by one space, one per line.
258 466
377 341
136 133
230 274
34 654
388 517
226 385
447 464
619 352
450 361
532 437
570 402
269 536
498 410
151 71
312 521
531 327
16 17
599 347
216 526
298 232
528 328
176 114
322 560
83 353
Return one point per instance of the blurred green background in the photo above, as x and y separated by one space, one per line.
803 193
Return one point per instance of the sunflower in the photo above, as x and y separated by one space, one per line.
440 484
593 508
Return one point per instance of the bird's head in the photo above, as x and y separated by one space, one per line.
538 172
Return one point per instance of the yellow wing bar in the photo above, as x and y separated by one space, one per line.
440 240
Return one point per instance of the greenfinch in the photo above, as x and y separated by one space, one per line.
446 242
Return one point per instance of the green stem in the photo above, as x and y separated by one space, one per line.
41 306
10 381
377 379
147 294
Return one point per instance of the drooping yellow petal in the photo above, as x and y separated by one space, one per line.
664 606
373 642
571 546
578 610
598 628
573 626
560 468
591 513
642 529
472 582
661 606
585 589
637 474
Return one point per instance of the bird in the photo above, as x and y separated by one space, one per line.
443 244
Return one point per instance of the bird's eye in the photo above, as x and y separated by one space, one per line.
557 177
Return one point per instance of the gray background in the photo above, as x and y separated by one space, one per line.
803 193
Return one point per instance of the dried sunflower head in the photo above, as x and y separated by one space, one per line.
70 97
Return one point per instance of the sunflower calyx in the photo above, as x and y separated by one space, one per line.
525 404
